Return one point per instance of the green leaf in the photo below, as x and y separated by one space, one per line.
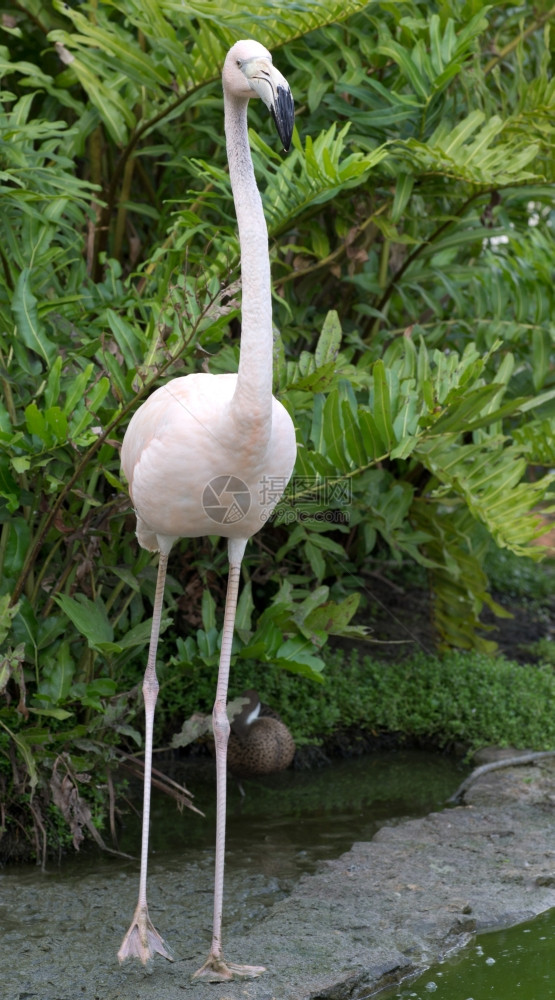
332 429
52 713
208 610
139 635
89 617
126 339
316 560
464 412
334 617
90 695
541 352
110 104
17 547
245 608
388 47
7 613
76 390
329 340
294 655
371 437
57 676
354 442
29 328
36 424
57 423
20 463
52 390
317 380
403 191
381 409
27 754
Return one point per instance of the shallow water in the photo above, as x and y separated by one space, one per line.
513 964
65 925
288 822
304 816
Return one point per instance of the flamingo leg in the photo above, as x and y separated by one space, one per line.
142 939
216 969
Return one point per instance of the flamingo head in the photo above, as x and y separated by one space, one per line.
249 72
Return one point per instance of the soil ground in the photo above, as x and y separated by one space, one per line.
401 613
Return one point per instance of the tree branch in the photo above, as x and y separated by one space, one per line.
419 249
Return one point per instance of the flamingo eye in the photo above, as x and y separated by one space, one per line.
239 63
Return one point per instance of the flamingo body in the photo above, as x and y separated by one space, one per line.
192 417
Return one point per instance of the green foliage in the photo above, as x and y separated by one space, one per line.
519 578
544 649
466 698
307 623
411 232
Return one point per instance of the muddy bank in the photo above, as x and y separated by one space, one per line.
382 910
414 893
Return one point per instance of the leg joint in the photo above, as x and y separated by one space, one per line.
220 722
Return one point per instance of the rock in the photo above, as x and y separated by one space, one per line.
487 755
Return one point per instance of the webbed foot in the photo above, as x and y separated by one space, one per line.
143 940
217 970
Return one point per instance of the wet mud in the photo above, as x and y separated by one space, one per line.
417 890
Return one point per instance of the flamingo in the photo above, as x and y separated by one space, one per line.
211 455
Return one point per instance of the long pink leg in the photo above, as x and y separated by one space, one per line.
216 969
142 939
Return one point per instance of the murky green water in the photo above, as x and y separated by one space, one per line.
300 818
514 964
283 825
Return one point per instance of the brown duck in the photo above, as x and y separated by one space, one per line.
258 743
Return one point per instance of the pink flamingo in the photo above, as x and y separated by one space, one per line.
212 454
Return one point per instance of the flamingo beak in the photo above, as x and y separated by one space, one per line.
269 84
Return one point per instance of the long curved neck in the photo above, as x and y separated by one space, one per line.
252 400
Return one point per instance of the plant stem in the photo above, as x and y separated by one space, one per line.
538 23
40 577
121 216
111 194
4 535
420 249
382 280
338 252
124 606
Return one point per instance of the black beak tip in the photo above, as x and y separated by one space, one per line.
283 113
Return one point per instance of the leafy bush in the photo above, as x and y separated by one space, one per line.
411 235
469 699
